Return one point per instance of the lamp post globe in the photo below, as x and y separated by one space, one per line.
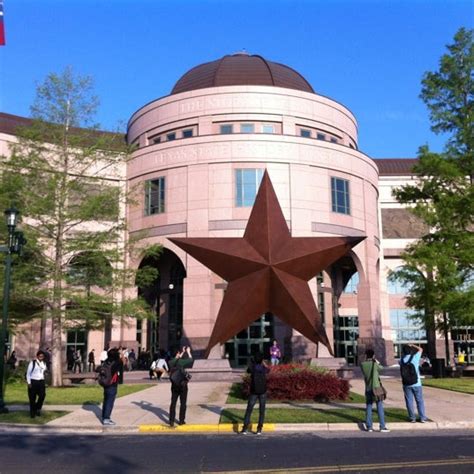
11 216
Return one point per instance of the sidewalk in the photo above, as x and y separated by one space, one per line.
147 411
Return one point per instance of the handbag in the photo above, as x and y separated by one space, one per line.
379 393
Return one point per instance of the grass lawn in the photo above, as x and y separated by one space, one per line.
16 394
236 396
23 417
296 415
463 385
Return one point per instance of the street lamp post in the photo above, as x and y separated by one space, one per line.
15 244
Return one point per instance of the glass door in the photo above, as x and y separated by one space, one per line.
256 338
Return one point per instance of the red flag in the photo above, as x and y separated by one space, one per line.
2 27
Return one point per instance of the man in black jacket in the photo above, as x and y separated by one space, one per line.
258 371
179 383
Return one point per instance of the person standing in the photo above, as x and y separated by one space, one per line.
179 384
109 372
36 385
258 371
70 358
91 361
77 361
412 388
12 360
132 359
275 353
371 371
104 355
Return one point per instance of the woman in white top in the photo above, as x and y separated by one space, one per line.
159 366
36 386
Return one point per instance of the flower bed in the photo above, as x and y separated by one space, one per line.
302 382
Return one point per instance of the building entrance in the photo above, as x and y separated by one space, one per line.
256 338
77 341
346 332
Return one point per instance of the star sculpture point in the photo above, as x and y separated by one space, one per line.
267 270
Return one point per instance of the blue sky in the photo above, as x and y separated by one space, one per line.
369 55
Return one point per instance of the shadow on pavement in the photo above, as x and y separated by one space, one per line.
97 410
212 408
157 411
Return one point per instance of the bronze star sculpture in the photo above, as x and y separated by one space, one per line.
267 271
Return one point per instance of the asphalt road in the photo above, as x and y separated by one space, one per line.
446 452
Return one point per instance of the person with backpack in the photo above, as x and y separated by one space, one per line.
412 388
36 385
371 371
108 378
179 383
258 371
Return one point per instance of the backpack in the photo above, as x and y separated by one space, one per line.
408 372
105 377
179 378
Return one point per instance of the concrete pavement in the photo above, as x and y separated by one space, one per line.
147 411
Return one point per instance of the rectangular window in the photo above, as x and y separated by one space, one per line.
340 196
268 129
157 140
188 133
333 140
247 182
171 136
247 128
305 133
320 136
155 196
227 129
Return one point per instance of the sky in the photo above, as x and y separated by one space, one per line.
369 55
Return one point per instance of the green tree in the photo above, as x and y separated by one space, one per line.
439 267
67 179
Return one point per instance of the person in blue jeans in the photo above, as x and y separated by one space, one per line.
371 371
258 371
110 392
412 354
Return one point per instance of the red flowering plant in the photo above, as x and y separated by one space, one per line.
302 382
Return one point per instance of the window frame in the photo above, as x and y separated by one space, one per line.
250 125
159 208
230 127
187 133
169 135
305 132
344 206
241 197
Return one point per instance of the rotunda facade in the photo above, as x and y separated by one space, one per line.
199 155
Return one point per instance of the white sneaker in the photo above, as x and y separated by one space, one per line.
384 430
108 422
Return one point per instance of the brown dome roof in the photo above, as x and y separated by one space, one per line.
241 69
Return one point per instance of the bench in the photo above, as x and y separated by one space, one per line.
70 378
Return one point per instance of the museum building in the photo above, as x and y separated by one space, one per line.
199 155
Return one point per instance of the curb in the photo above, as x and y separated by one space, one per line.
225 428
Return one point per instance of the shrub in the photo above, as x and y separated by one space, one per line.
302 382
